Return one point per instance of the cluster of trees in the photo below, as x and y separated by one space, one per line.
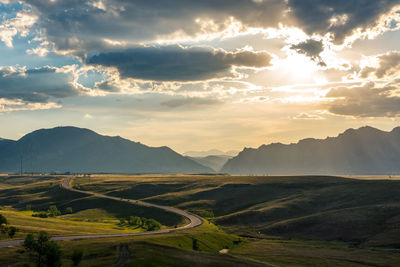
45 252
53 211
147 224
5 229
42 250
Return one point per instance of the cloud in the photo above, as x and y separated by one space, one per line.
7 105
79 27
340 18
82 26
36 85
311 48
365 101
175 63
190 102
20 24
388 64
307 116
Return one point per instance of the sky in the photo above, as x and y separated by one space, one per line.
199 75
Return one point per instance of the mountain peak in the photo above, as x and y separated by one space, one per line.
59 133
76 149
396 130
365 150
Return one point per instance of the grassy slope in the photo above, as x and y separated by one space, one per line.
170 250
62 225
91 215
322 208
238 202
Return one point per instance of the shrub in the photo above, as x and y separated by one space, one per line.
3 220
151 225
195 245
68 210
53 211
135 220
41 214
11 231
77 257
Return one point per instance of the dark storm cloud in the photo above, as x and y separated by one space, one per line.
36 85
339 17
311 48
83 25
174 63
366 101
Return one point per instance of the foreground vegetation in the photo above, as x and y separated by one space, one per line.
360 212
33 204
272 221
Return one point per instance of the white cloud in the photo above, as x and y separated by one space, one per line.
20 24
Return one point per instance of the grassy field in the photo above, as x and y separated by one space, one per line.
171 250
314 253
273 221
362 212
90 214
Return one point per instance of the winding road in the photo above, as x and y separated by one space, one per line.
195 221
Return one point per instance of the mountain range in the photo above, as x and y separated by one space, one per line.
214 162
71 149
356 151
211 152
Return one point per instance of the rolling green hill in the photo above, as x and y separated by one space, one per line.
363 212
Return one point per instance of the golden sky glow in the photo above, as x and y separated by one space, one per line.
225 75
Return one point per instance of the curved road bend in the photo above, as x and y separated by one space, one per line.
66 184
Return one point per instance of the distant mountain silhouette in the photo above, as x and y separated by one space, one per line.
71 149
363 151
213 162
212 152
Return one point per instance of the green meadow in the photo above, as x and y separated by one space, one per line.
250 220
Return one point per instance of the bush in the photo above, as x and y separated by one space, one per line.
68 210
151 225
41 214
135 220
3 220
11 231
122 221
77 257
53 211
195 245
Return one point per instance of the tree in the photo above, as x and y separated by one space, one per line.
3 220
135 220
68 210
11 231
43 251
195 245
3 224
53 211
28 207
151 224
77 257
53 255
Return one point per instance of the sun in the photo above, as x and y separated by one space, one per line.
298 69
